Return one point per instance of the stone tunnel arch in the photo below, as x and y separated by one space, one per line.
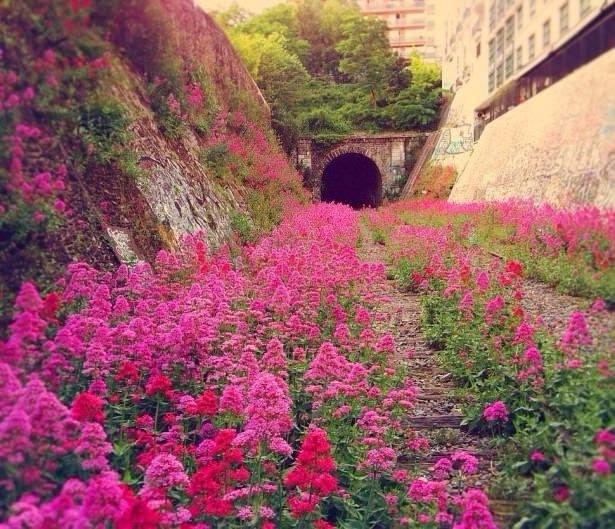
351 178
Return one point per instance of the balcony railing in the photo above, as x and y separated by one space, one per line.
374 10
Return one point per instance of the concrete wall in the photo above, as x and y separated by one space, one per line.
557 147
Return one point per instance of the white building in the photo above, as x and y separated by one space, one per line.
411 25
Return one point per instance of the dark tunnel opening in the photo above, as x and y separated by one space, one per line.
352 179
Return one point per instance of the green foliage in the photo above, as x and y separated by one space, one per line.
558 419
202 117
102 126
279 74
316 57
324 127
366 58
242 226
218 160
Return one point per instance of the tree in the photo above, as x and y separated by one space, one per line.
281 20
279 74
417 105
319 25
231 17
325 70
366 58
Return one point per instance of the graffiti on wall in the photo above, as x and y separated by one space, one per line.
573 173
454 140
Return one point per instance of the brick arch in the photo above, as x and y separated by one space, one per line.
340 150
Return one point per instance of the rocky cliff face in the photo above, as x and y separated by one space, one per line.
128 124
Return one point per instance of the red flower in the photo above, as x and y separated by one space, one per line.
158 384
561 493
207 403
514 268
88 407
128 371
303 504
78 5
221 468
311 473
51 303
321 524
137 515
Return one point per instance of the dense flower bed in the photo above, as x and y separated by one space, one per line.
244 391
573 249
547 399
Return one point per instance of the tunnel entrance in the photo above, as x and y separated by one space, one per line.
352 179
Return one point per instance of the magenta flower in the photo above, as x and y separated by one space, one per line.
601 467
165 472
496 411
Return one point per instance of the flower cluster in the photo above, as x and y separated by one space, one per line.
522 366
312 473
191 378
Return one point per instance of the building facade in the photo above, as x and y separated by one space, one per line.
533 43
462 31
411 25
510 50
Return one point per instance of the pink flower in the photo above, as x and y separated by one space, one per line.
561 493
537 456
467 463
598 305
280 446
466 303
576 334
232 400
244 513
604 437
482 281
268 411
475 512
380 459
165 472
601 467
442 468
496 411
194 95
93 447
385 344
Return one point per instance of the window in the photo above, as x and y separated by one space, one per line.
510 31
492 16
499 43
491 81
501 8
584 7
519 57
499 74
478 50
563 18
531 47
509 65
520 17
546 33
532 7
491 53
